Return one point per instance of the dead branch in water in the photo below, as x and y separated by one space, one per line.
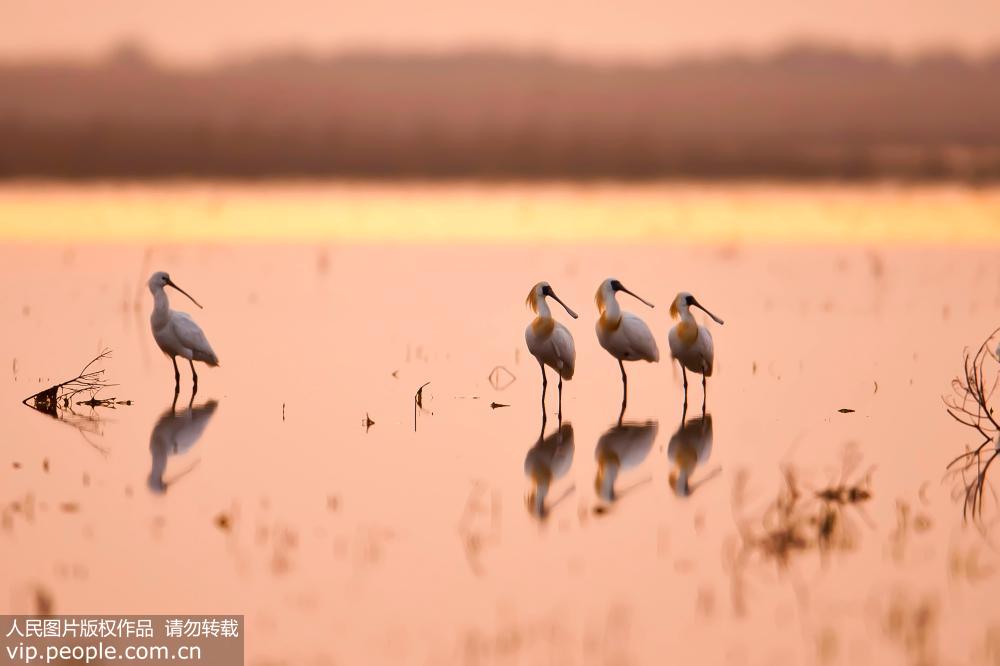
61 395
969 404
58 402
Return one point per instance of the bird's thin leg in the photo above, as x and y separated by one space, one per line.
560 398
177 378
194 375
624 386
545 385
704 393
684 374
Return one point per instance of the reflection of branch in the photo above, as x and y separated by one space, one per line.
969 405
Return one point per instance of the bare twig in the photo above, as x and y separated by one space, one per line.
61 394
968 404
58 401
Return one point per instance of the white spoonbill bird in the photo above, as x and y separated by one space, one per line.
175 332
550 342
622 334
690 343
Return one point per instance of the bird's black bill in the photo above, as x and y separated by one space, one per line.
171 284
703 309
568 309
635 295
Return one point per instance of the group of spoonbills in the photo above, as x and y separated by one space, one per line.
622 334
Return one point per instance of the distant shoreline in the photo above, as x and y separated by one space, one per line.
808 113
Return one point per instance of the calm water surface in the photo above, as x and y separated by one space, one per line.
478 537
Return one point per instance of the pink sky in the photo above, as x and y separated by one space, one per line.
197 31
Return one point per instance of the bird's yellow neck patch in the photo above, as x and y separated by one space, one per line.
608 324
543 326
687 331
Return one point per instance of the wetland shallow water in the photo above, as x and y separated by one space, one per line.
466 539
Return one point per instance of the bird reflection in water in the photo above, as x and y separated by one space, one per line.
690 446
548 460
623 446
174 434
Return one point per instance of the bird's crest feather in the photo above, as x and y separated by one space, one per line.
532 300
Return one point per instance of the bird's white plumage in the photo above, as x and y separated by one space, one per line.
555 349
697 356
622 334
181 332
631 340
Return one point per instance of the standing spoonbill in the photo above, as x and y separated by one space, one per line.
175 332
549 341
622 334
690 343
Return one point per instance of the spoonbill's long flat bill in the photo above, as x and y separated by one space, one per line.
175 332
690 343
550 342
622 334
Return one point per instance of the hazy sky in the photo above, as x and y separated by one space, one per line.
195 31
